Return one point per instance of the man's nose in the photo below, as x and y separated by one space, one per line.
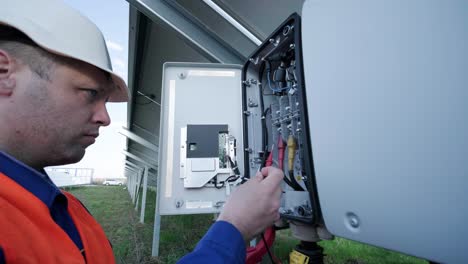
101 116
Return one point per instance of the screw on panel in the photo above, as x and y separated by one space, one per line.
254 61
304 210
181 75
286 30
292 46
353 220
277 40
252 103
179 204
218 204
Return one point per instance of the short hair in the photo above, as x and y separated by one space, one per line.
22 48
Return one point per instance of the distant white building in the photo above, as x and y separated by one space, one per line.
63 177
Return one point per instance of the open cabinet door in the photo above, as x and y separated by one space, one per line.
200 135
387 90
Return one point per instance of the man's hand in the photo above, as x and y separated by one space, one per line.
254 205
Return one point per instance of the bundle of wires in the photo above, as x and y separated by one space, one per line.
231 178
274 89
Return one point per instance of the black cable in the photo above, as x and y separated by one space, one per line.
288 182
296 187
265 136
216 183
233 165
260 79
231 178
263 111
268 249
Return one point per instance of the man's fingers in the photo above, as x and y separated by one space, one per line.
273 176
259 176
278 193
278 216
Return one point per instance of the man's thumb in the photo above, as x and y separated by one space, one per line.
259 177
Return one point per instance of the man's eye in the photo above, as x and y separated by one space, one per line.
92 93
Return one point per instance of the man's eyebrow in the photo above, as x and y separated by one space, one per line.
90 85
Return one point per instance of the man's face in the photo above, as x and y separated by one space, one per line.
57 119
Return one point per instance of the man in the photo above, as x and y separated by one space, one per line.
55 81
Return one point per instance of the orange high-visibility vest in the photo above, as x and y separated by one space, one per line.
28 234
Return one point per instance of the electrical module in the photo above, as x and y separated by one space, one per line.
209 156
275 119
201 135
250 117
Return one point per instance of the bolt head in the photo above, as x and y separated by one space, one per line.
353 220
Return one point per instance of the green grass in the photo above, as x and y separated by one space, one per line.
132 241
113 209
341 250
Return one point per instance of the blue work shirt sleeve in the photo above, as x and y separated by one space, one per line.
223 243
2 256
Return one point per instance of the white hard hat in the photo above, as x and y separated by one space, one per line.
62 30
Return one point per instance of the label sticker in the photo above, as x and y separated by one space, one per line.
212 73
296 257
198 204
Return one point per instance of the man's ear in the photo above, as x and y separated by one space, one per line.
7 82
